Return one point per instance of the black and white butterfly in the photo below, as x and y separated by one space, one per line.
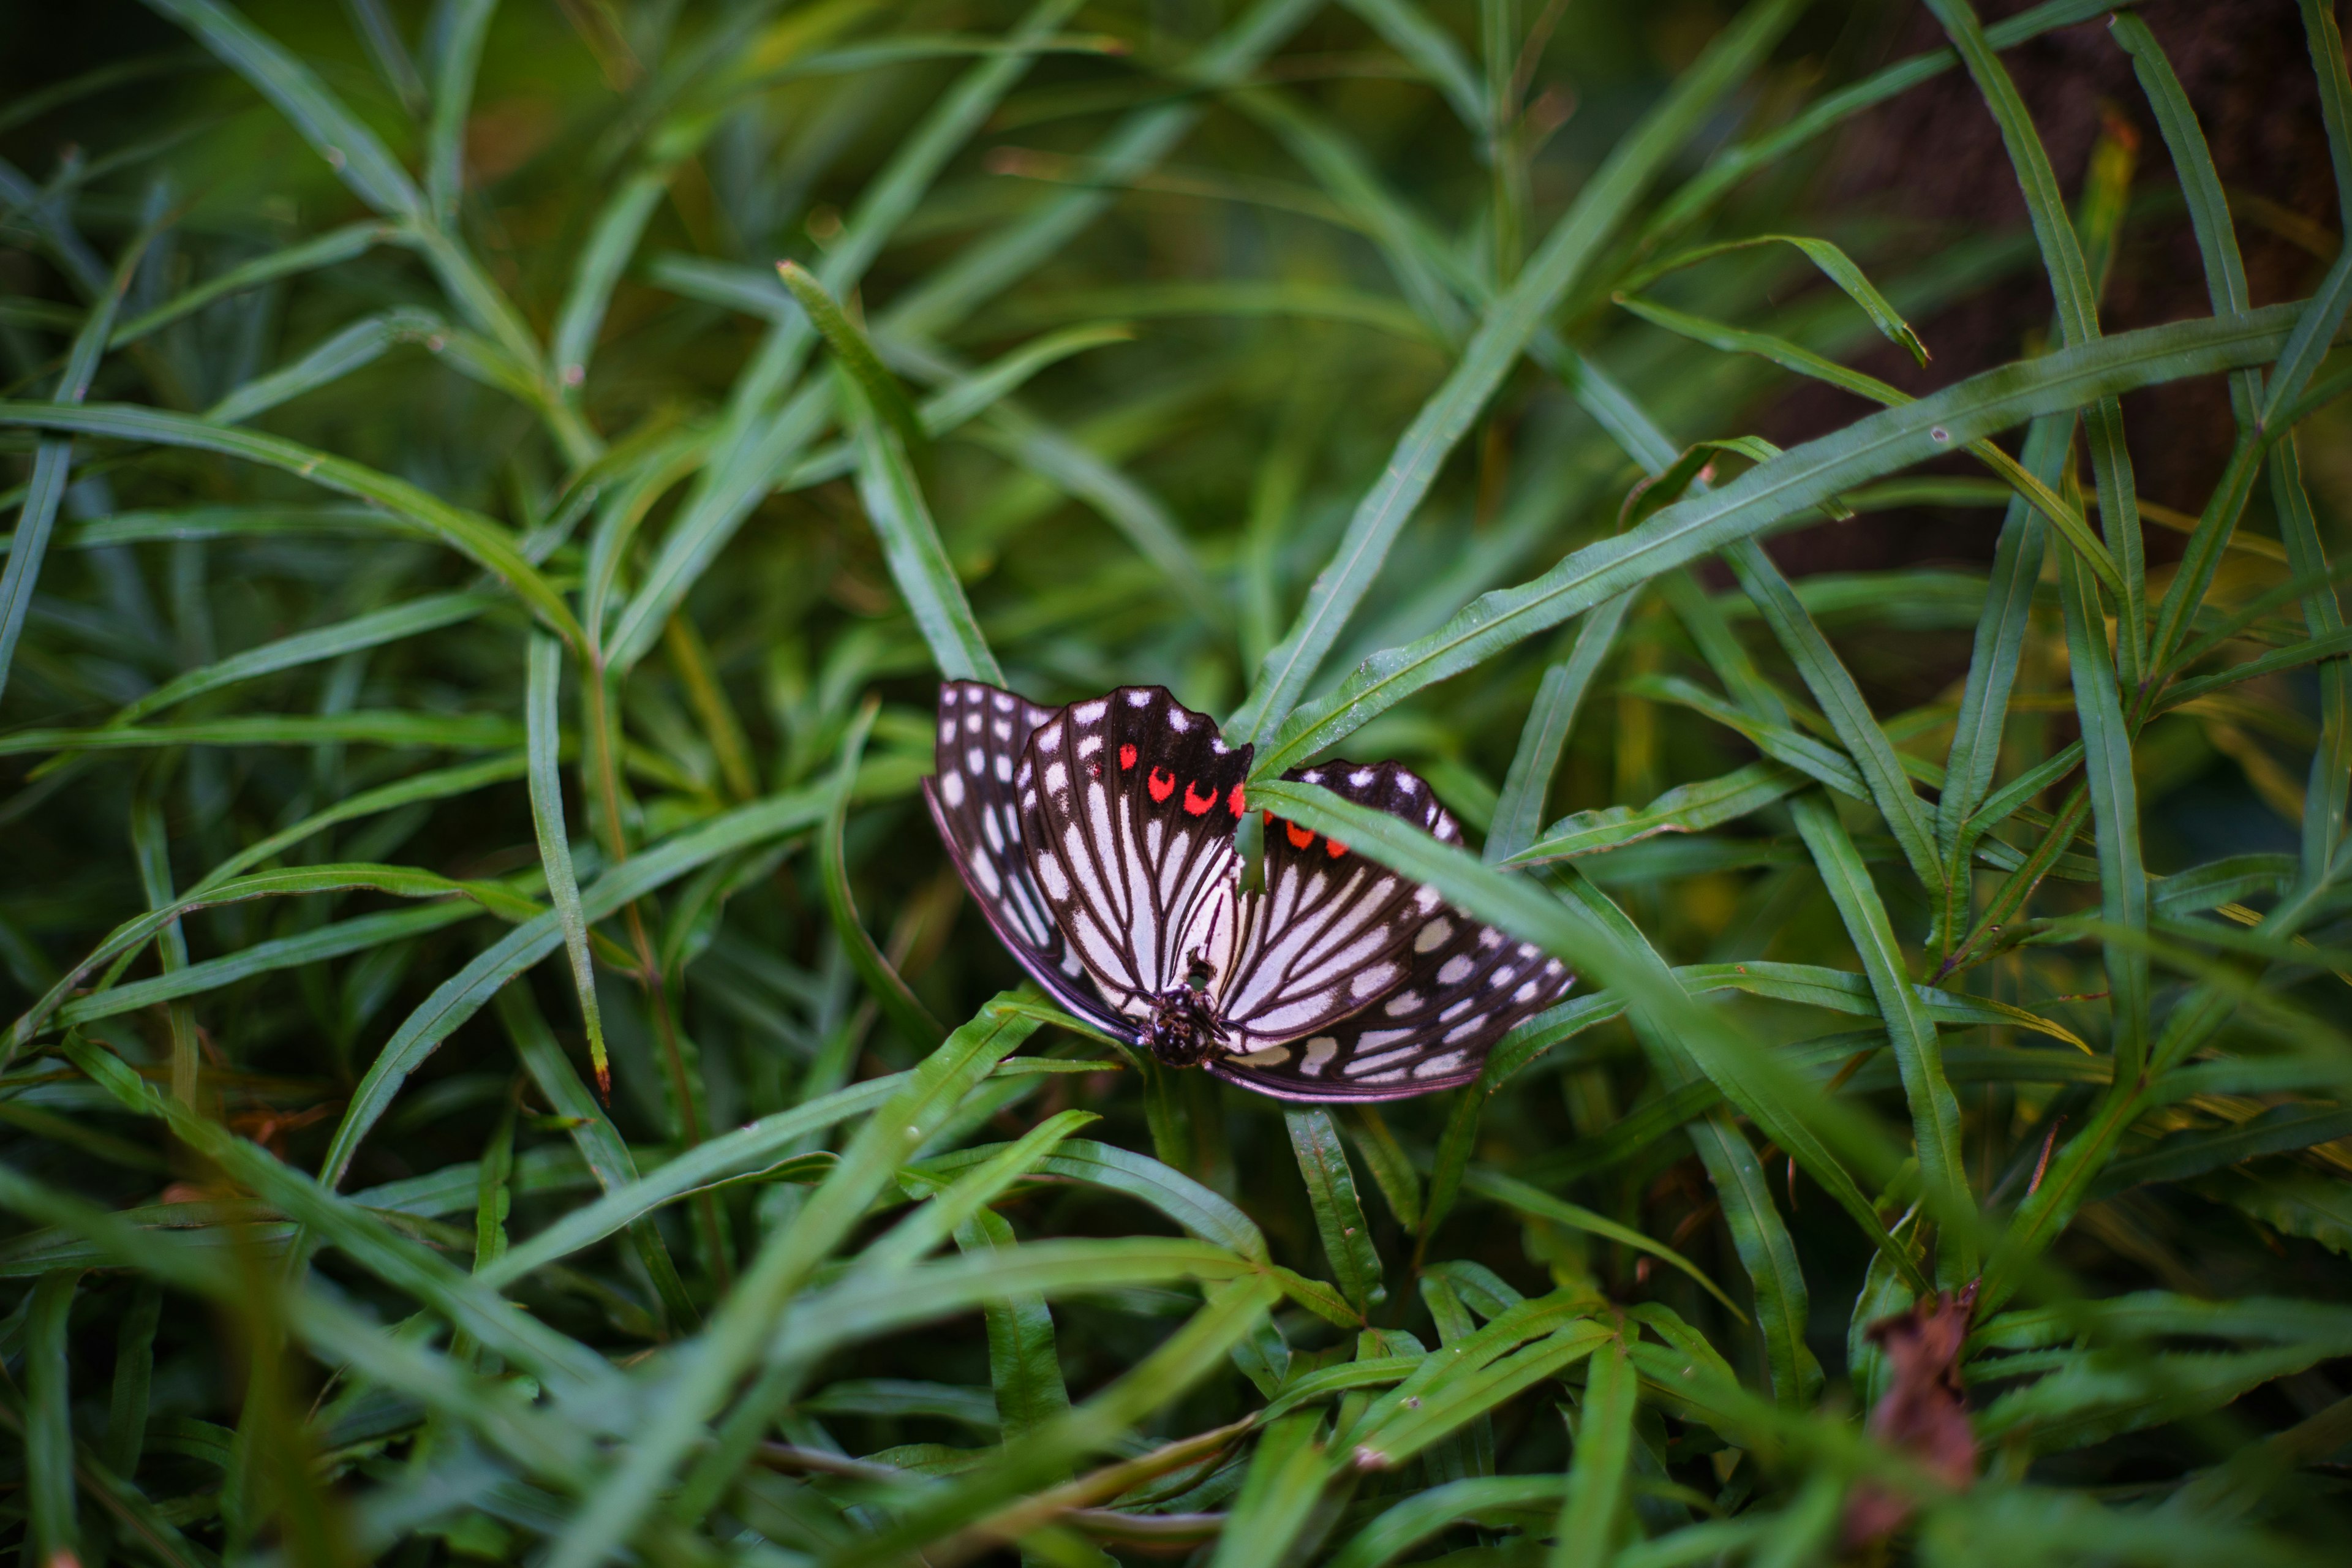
1098 840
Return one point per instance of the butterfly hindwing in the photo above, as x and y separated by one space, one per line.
1127 805
1332 931
1464 984
982 733
1431 1033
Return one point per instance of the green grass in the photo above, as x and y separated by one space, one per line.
469 626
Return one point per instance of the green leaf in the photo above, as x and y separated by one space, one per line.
49 1426
1279 1497
1935 1113
349 148
1504 334
1767 1253
412 510
545 727
1420 1515
1339 1215
1391 1166
1834 264
907 1015
1518 813
1587 1535
1540 1204
1771 494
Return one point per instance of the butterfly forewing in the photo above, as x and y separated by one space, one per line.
1332 931
982 733
1127 805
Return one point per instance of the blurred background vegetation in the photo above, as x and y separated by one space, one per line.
464 526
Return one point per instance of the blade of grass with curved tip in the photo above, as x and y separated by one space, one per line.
1519 812
1534 1202
907 1015
1686 809
1425 1410
334 247
544 723
476 537
1502 336
1338 1213
354 348
349 148
1804 362
1771 494
1391 1167
53 460
1024 1366
1767 1252
1199 1210
48 1421
1834 264
1935 1113
1587 1533
745 1320
412 618
856 355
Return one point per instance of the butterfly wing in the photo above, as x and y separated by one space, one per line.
1440 988
982 732
1431 1033
1332 931
1128 807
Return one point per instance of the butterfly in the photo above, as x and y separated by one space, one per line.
1099 839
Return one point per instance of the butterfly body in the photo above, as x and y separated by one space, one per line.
1098 840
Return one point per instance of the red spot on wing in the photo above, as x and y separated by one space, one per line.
1300 838
1266 817
1162 783
1335 848
1127 756
1198 805
1235 802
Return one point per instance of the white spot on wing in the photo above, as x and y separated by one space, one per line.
1319 1052
1361 777
1455 970
952 789
1090 745
1058 887
1003 701
1004 767
1400 1004
975 762
1437 1066
1176 721
1057 778
1139 698
1090 713
1433 935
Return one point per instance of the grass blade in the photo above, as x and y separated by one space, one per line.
1587 1535
1518 813
49 1426
1502 336
1767 1253
545 727
1774 493
1338 1213
352 151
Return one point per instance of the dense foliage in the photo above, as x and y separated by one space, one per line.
471 619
